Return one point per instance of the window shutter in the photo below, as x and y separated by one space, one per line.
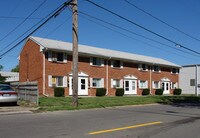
111 63
171 85
49 55
102 82
139 66
91 61
146 66
50 80
65 57
121 83
121 64
139 84
159 85
102 62
111 83
65 81
91 81
146 84
153 86
159 69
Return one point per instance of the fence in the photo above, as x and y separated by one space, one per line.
27 91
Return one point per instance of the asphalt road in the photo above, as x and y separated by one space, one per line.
150 121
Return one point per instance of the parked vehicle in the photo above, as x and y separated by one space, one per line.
7 94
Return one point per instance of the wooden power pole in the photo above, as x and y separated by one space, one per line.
75 52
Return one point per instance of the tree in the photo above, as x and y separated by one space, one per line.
16 69
1 67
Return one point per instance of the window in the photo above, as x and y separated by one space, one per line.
192 82
97 82
143 84
174 71
173 85
116 83
56 56
156 68
143 67
156 85
96 61
57 81
116 64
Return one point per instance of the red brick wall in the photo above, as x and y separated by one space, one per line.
31 64
34 70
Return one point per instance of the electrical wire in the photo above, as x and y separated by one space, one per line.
167 24
53 14
13 17
144 28
124 29
23 21
138 39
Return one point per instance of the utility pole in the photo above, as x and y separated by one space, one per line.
75 52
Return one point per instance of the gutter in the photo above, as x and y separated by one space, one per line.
44 73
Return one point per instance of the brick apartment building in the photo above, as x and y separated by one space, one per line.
49 62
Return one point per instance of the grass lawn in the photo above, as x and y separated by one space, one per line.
64 103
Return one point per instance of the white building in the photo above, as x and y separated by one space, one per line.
10 76
189 79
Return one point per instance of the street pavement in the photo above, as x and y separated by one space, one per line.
148 121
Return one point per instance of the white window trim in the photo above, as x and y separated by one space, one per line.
101 83
140 67
175 84
120 83
158 70
153 86
121 64
54 59
102 62
176 71
50 81
146 84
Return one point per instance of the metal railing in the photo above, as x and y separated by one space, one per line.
27 91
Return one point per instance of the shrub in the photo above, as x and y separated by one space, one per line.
119 92
59 92
145 91
100 92
159 92
177 91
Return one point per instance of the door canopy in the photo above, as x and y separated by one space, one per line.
130 77
165 79
80 74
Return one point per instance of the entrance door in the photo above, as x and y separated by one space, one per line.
130 87
166 87
82 85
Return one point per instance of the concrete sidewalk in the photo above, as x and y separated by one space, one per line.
8 110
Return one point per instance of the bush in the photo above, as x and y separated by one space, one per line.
119 92
159 92
100 92
177 91
59 92
145 91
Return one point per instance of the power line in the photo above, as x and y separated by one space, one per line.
55 13
178 30
22 21
119 27
135 38
13 17
144 28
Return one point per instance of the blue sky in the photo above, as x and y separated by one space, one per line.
182 14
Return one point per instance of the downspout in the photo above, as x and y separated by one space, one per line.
196 77
150 77
44 73
107 75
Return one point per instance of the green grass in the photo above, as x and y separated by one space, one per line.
64 103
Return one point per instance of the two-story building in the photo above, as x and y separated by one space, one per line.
50 63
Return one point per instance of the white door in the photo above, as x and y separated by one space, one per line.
130 87
82 85
166 87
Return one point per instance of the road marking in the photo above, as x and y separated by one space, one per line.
123 128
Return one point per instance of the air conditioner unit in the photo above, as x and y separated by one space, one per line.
54 59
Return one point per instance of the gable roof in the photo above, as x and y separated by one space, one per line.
100 52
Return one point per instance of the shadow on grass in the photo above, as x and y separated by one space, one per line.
181 101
